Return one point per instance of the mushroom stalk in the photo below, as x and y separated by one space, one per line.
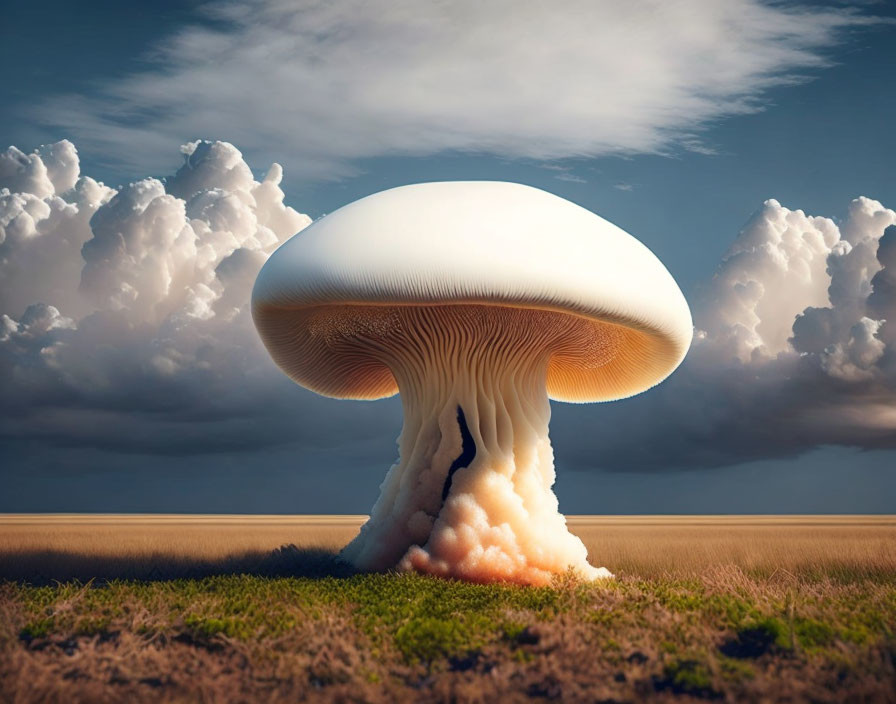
470 496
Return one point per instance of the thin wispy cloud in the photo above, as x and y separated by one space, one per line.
326 85
569 177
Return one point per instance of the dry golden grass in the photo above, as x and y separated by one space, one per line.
61 547
684 546
175 536
45 548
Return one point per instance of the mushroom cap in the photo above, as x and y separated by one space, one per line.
483 243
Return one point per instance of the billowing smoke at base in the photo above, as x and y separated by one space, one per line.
471 494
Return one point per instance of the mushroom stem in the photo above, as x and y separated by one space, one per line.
488 515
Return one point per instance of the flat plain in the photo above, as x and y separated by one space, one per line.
258 608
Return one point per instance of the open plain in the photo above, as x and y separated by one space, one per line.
258 608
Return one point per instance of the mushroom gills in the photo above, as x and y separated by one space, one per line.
466 456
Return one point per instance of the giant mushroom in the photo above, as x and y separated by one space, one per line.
477 302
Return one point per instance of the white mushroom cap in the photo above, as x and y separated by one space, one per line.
474 242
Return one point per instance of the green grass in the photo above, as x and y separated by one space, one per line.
407 637
422 618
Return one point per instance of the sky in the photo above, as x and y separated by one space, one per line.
162 155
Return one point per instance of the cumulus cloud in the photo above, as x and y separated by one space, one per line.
51 169
45 210
795 285
793 350
122 304
333 83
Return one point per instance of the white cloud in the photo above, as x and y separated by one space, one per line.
133 299
773 270
51 169
796 290
327 84
841 335
793 284
797 285
42 232
793 349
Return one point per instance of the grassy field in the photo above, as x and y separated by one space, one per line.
207 608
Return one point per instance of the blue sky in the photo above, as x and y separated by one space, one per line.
815 132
